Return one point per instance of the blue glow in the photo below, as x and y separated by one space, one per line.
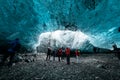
27 19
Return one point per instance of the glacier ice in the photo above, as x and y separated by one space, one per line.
27 19
73 39
63 38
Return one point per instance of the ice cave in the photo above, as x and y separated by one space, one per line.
85 25
27 20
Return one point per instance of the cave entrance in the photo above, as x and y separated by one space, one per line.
61 38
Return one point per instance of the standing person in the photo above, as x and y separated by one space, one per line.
17 45
13 47
48 54
77 53
94 49
67 51
54 54
37 49
59 54
116 51
63 53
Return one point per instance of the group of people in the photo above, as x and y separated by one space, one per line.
12 48
61 53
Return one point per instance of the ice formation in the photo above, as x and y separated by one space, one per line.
27 19
63 38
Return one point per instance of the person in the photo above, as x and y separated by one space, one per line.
63 53
59 54
37 50
67 51
77 53
98 50
12 48
48 54
94 49
116 50
17 45
114 46
54 54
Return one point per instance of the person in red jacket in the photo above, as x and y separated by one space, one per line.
59 54
67 51
77 53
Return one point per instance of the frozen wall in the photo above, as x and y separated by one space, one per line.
27 19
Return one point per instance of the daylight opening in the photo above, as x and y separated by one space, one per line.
62 38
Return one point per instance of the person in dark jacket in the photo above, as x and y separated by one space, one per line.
54 54
116 50
94 49
48 53
12 48
67 51
63 53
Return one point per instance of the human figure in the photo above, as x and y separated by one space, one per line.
116 50
37 49
63 53
59 54
67 51
114 47
94 49
77 53
54 54
12 48
98 50
48 54
17 46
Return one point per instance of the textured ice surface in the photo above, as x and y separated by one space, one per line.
64 38
27 19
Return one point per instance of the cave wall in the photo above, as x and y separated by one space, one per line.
27 19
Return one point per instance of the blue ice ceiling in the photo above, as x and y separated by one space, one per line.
27 19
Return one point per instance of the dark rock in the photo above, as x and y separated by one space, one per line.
27 60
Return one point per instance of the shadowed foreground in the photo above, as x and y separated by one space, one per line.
90 67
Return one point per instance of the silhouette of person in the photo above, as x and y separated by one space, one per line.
63 53
94 49
67 51
12 48
54 54
116 50
114 47
48 53
98 50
